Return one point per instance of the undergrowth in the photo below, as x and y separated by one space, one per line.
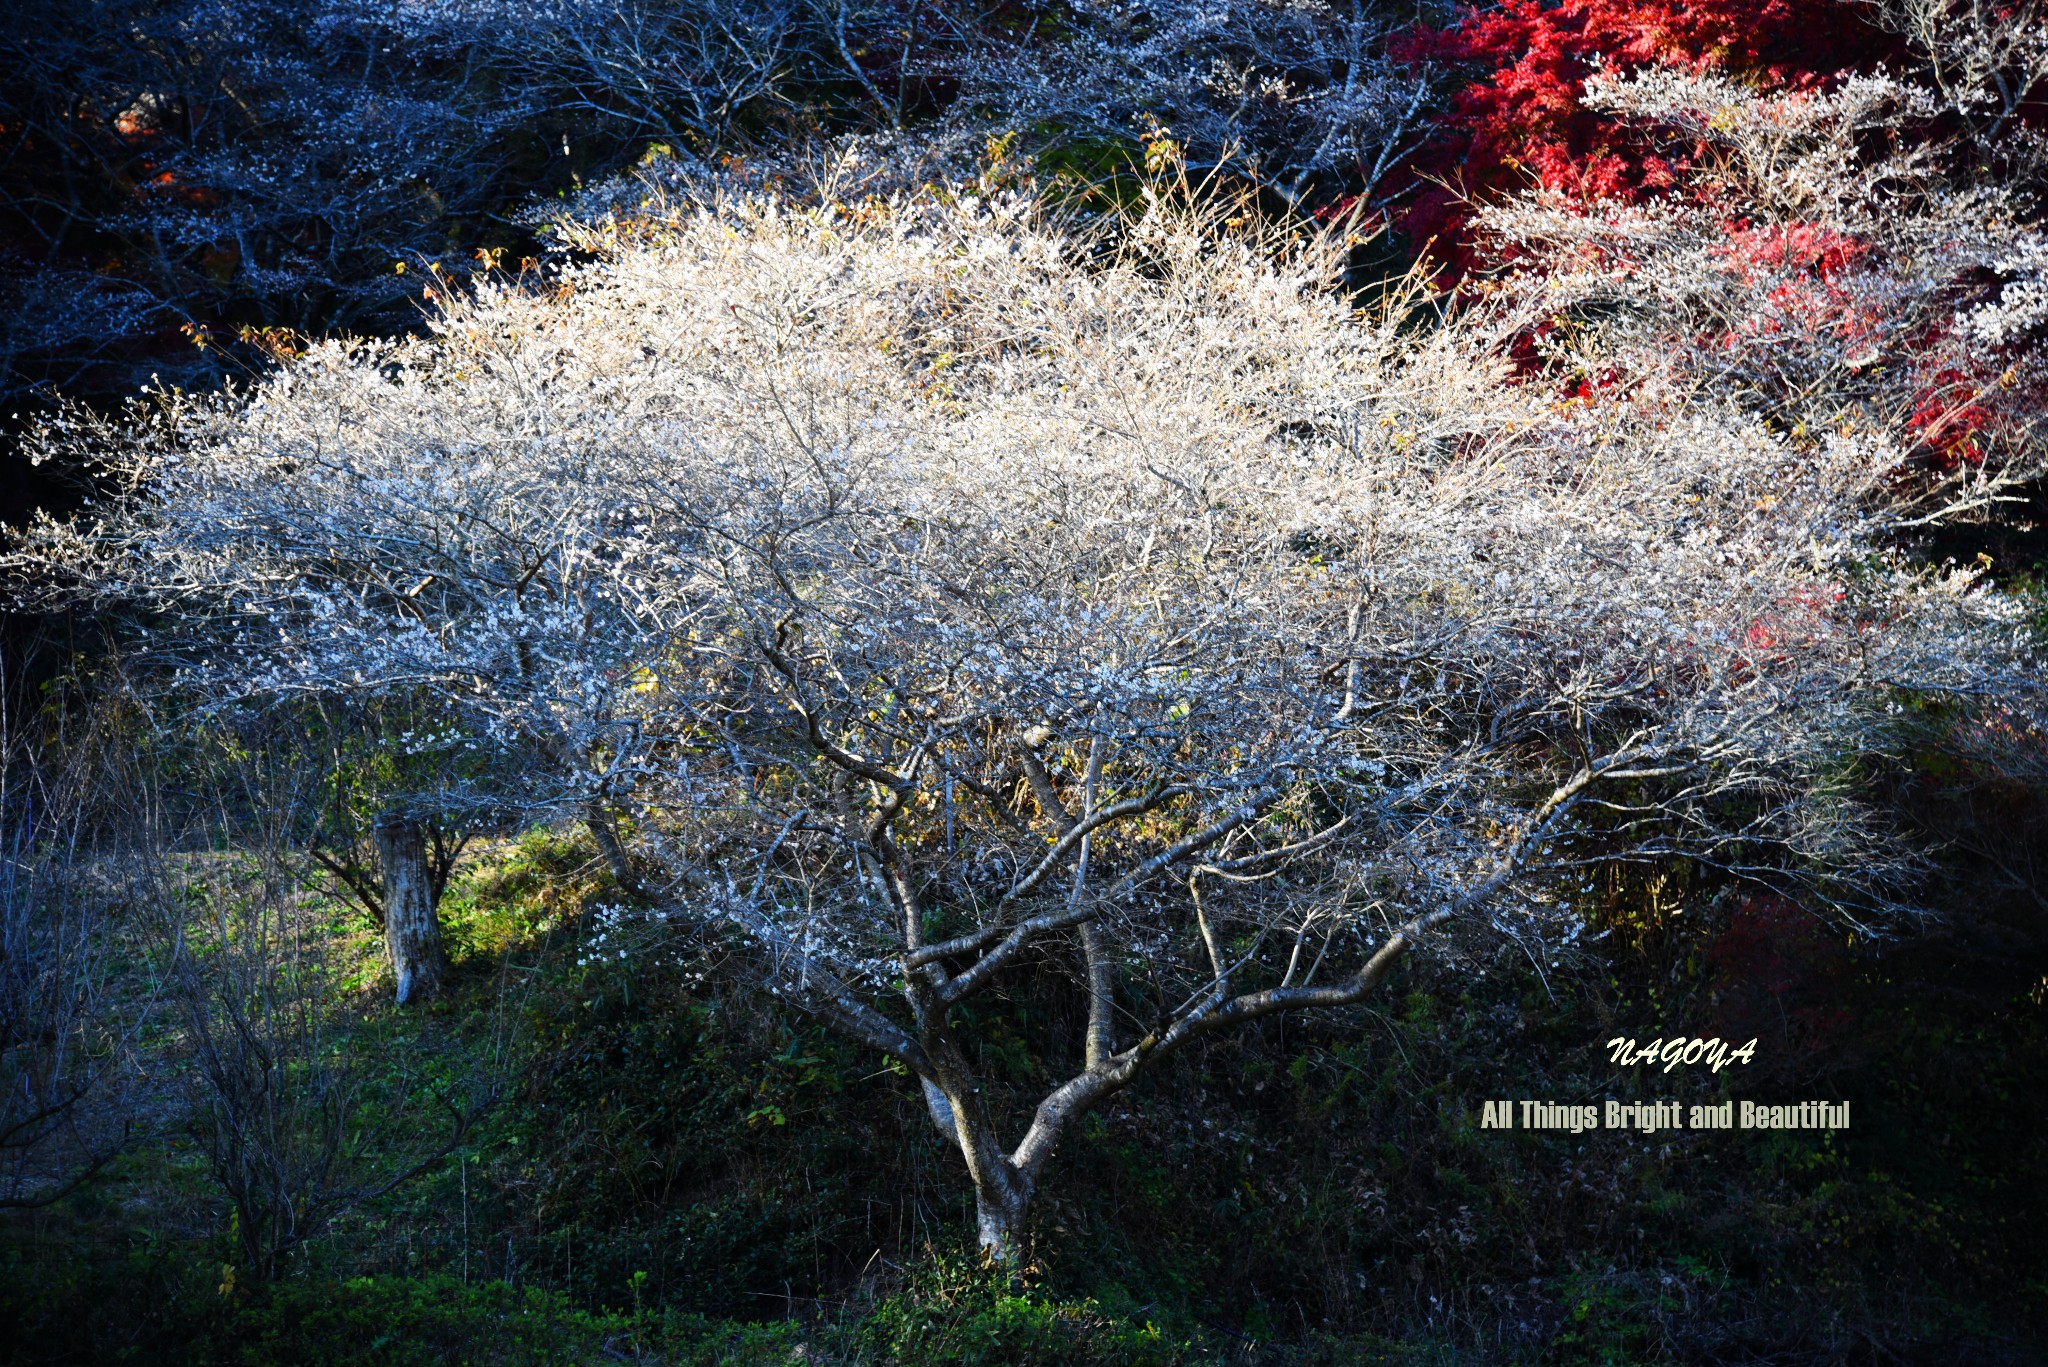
676 1174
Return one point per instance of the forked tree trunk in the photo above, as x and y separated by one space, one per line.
999 1215
1002 1193
412 929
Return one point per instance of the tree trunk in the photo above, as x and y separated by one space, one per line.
604 829
412 929
1002 1191
999 1214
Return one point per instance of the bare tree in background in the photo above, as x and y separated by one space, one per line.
175 171
1301 95
66 1025
300 1118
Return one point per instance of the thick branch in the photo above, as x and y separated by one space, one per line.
1008 943
823 993
1215 1011
1101 1041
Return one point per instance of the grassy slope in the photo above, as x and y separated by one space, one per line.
678 1175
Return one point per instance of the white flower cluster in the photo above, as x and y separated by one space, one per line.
2020 312
919 573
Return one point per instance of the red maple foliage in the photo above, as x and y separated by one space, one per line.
1520 120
